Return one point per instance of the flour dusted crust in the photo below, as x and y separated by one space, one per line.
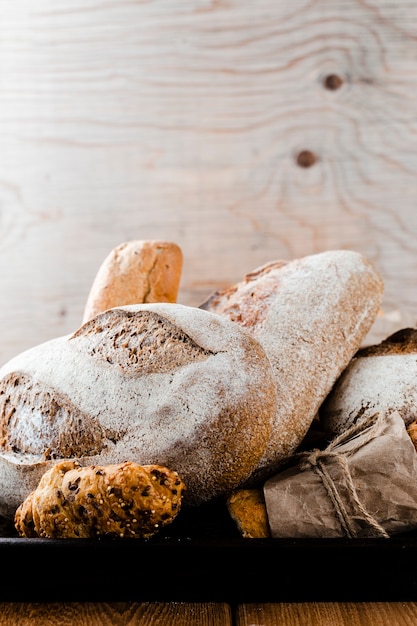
135 272
124 500
310 315
157 383
380 378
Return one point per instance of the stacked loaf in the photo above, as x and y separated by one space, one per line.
310 316
221 394
379 378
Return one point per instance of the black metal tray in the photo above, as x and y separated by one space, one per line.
201 557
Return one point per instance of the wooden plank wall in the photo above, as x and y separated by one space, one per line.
243 130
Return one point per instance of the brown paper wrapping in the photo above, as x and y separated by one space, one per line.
364 484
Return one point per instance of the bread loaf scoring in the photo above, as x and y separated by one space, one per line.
164 384
310 315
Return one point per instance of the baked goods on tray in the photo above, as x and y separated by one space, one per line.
222 394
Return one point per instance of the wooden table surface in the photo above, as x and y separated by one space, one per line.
204 614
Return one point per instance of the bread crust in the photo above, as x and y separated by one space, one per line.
310 315
135 272
156 383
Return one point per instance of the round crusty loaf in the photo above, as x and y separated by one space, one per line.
164 384
310 316
136 272
380 378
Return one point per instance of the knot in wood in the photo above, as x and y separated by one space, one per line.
332 82
306 158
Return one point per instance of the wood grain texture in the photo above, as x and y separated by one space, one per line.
207 614
114 614
243 131
327 614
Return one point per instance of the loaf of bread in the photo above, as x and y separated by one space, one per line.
310 315
379 378
135 272
163 383
124 500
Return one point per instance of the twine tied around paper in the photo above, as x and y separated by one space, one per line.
315 459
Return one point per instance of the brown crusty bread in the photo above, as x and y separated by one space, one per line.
379 378
159 383
310 315
135 272
247 509
124 500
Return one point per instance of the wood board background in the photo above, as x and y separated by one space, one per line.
245 131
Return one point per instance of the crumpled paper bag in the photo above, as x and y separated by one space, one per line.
364 484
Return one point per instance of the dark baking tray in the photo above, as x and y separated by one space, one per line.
201 557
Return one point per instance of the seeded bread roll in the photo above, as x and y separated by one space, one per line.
310 315
162 383
136 272
124 500
380 378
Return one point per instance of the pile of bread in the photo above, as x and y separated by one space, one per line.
215 397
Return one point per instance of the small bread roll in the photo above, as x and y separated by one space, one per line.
124 500
412 431
247 509
136 272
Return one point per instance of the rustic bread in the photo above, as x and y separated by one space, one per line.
310 315
379 378
135 272
124 500
162 383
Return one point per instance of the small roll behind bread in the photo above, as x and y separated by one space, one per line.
247 509
135 272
